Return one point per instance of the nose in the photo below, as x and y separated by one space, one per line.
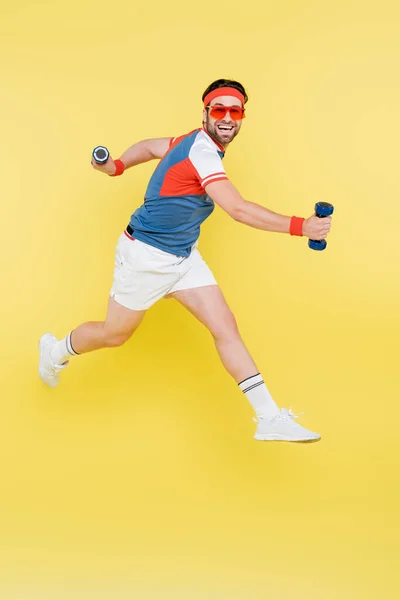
227 117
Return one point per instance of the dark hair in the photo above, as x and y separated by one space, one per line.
225 83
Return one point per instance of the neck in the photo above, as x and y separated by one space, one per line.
224 146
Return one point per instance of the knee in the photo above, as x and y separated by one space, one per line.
114 339
226 331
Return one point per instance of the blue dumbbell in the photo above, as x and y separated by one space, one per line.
100 155
322 209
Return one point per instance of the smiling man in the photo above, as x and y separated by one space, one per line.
157 255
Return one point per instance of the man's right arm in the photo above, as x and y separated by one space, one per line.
138 153
144 151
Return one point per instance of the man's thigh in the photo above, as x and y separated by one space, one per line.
208 305
121 320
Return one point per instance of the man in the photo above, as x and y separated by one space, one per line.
157 255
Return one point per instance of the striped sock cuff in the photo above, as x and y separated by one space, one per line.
69 345
251 382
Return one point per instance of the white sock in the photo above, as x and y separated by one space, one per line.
259 397
63 351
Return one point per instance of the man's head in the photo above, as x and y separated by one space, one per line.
223 124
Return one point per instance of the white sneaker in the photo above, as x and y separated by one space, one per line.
49 372
283 428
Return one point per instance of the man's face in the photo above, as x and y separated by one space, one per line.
223 129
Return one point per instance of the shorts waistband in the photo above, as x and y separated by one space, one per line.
128 232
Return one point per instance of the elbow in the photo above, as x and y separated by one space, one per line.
238 212
148 149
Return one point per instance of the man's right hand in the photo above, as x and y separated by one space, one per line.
316 228
108 168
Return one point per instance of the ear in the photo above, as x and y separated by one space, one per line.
204 115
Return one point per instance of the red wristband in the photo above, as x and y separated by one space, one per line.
296 226
120 168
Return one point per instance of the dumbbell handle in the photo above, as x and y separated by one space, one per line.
322 210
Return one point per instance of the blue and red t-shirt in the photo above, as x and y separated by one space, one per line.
176 203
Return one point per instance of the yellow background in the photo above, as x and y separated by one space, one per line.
139 476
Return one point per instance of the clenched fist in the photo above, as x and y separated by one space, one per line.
316 228
108 168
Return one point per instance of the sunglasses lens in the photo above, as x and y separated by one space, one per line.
236 113
219 112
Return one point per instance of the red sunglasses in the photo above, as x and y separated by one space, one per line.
219 112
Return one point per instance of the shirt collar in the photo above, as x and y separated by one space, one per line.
221 148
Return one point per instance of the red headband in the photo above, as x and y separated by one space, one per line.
223 91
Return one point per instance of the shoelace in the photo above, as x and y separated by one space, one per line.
283 415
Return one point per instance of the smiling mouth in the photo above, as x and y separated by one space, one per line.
225 128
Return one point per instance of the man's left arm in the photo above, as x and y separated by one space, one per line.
226 195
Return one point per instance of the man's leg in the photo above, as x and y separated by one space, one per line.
208 305
118 327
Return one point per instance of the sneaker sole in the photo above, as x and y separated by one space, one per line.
43 379
265 437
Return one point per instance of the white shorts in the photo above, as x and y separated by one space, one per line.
143 274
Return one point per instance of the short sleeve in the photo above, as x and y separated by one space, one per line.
174 141
207 164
